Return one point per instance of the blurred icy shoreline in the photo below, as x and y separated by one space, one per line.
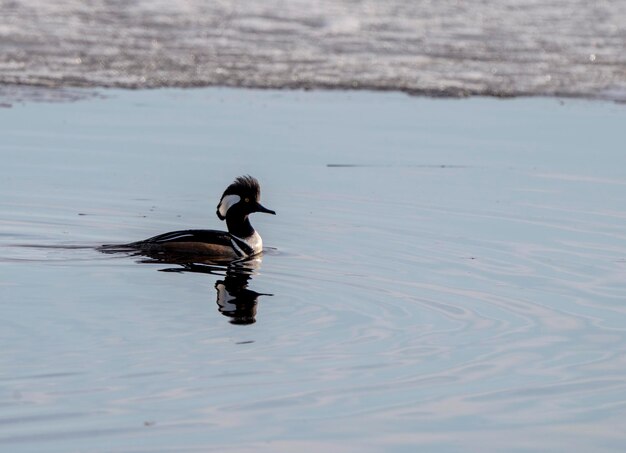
439 48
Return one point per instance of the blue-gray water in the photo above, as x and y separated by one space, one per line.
446 275
447 47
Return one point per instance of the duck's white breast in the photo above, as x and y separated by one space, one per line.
255 242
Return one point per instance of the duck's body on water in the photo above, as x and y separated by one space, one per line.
238 201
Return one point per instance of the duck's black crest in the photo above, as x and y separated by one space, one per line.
245 186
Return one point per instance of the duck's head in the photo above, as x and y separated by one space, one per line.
241 198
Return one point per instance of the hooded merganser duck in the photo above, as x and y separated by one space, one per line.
238 201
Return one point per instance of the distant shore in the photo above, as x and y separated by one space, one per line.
435 49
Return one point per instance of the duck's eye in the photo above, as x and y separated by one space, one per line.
247 200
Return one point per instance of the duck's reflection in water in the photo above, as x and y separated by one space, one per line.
234 299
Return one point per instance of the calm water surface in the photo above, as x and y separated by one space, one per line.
441 275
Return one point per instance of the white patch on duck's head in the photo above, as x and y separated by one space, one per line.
227 202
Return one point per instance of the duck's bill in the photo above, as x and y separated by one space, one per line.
260 208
